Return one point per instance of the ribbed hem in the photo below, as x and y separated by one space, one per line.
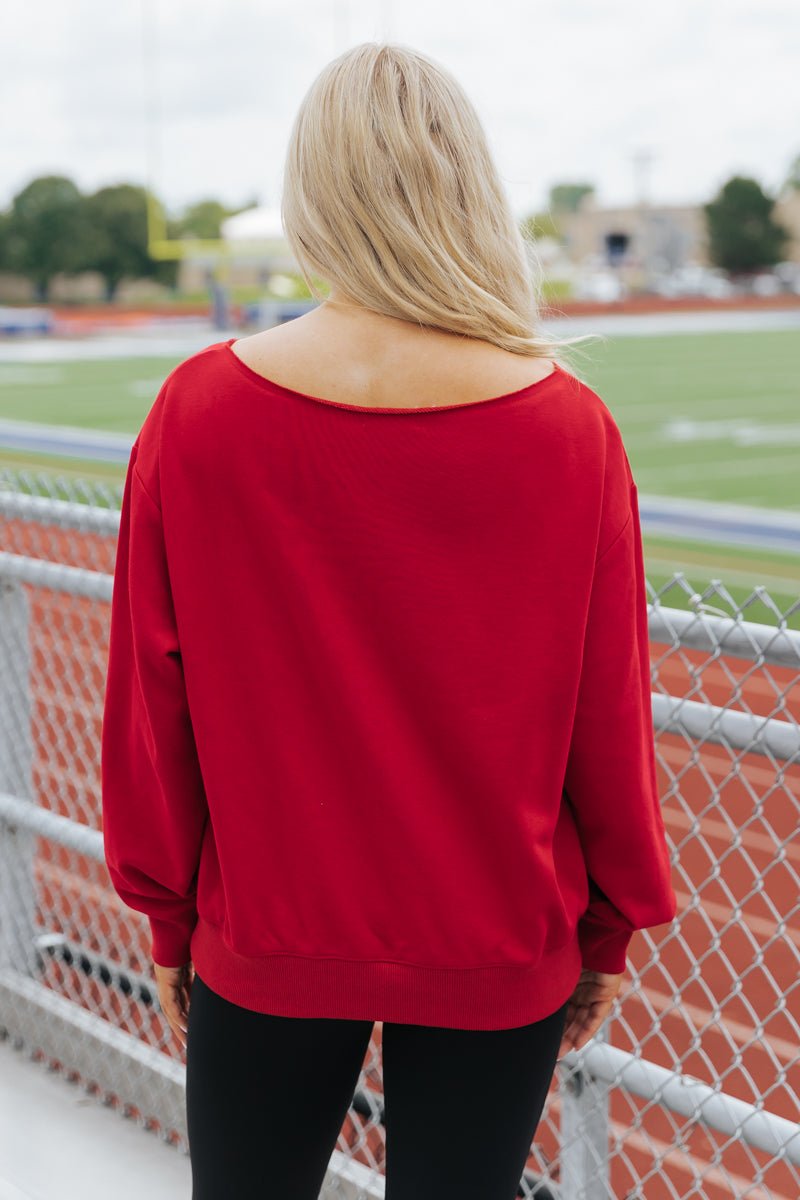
290 985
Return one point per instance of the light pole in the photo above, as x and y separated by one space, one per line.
642 160
341 25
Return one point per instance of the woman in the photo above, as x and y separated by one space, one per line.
377 740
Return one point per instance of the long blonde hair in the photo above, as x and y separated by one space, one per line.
391 194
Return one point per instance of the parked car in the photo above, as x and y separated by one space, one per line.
766 283
19 319
265 313
599 285
694 280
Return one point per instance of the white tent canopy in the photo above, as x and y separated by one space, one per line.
262 224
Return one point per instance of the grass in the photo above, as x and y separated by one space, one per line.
709 416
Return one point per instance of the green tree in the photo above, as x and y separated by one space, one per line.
793 174
46 232
118 219
567 197
5 241
541 225
202 220
743 234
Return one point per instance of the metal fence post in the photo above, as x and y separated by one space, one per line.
584 1170
17 845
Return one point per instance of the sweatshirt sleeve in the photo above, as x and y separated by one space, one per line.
153 801
611 771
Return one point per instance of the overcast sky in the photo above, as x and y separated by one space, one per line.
569 90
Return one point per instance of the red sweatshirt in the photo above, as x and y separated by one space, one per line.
377 739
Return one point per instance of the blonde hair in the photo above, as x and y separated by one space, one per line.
391 194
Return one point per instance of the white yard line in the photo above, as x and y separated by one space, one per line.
724 470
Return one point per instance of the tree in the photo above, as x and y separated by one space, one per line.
792 180
567 197
542 225
46 232
5 241
203 220
118 219
743 234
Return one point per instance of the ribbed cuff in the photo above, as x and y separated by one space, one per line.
170 944
604 949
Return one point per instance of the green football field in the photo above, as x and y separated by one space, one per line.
710 416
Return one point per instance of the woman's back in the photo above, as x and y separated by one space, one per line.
396 682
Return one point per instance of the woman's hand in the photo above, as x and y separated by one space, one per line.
588 1007
174 989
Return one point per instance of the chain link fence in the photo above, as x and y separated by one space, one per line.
691 1087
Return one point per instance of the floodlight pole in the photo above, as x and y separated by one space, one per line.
156 230
642 159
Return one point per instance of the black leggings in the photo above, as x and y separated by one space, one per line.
266 1098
